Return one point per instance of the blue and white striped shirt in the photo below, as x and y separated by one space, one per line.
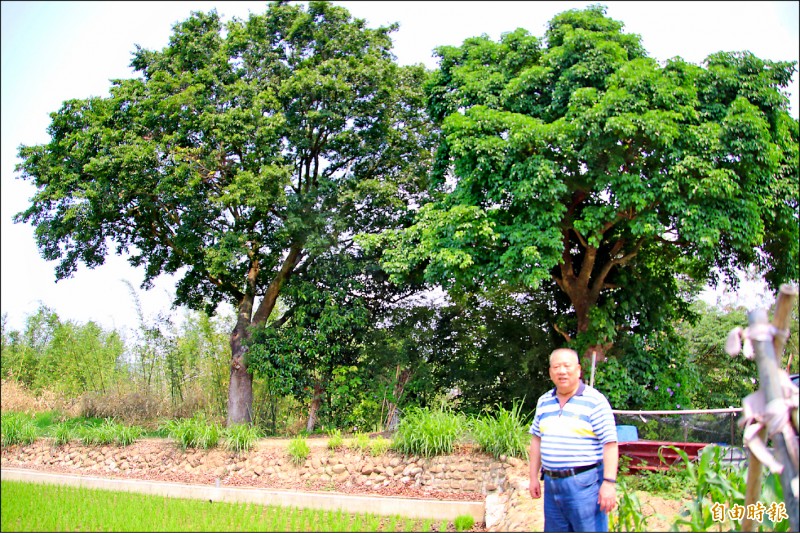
573 436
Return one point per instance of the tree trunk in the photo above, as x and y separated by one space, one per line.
316 401
401 380
240 395
240 391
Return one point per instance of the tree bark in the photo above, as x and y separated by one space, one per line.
316 401
401 380
240 396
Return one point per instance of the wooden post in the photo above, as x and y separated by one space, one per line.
768 348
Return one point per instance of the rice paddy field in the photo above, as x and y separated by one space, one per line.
41 507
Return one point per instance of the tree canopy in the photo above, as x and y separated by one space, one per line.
240 155
579 166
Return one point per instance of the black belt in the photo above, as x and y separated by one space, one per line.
568 472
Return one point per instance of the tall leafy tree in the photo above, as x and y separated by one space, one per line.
240 154
580 166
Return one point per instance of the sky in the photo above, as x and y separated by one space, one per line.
55 51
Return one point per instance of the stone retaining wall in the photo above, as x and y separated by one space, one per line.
503 483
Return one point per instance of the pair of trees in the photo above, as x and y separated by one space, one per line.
289 155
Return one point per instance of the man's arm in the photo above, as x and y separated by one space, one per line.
535 457
608 490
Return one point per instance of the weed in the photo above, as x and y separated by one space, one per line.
360 442
298 450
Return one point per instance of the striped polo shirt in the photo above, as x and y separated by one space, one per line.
573 436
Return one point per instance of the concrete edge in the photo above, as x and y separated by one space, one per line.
379 505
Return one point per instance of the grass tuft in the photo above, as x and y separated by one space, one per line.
298 450
18 428
195 432
502 432
240 437
427 432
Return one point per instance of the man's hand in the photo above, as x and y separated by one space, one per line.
607 497
535 488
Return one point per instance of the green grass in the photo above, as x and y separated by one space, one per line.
82 509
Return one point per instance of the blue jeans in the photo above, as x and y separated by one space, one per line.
570 503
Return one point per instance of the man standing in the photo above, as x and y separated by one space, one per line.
574 444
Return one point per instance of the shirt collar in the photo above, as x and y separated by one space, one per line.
579 392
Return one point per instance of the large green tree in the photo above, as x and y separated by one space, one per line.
240 154
580 166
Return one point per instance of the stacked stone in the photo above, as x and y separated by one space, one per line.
504 482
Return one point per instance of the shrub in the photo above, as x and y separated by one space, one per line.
502 432
240 437
18 428
298 450
464 522
195 432
428 432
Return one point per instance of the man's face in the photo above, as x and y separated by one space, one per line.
565 372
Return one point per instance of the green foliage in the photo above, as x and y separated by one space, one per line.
18 428
655 373
673 483
64 357
576 165
726 379
195 432
240 437
242 156
502 431
298 450
429 432
464 522
711 482
628 516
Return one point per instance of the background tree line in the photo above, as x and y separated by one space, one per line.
162 370
563 190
